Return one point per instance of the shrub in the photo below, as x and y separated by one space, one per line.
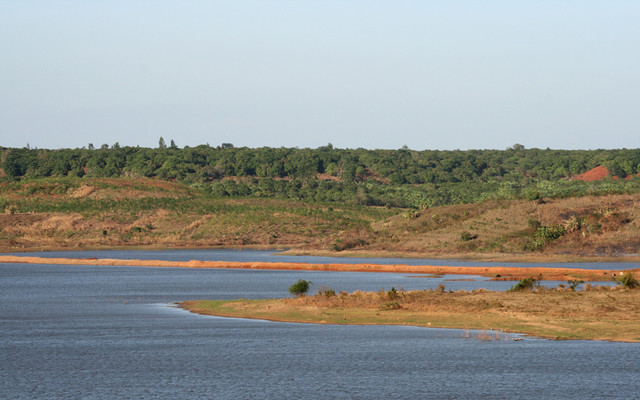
394 305
347 242
300 288
329 292
545 234
627 281
326 291
524 284
573 284
413 214
533 195
466 236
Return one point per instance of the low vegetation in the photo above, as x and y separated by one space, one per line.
395 178
524 284
597 312
300 288
627 281
55 213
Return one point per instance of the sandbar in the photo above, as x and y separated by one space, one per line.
551 273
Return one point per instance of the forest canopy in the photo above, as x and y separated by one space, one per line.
403 177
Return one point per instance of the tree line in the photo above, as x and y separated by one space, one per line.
402 177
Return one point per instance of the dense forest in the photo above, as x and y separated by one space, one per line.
398 178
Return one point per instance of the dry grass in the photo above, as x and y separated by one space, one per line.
495 228
82 191
503 227
596 314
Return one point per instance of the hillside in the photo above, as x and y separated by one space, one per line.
98 213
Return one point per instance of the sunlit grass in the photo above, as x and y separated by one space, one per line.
596 314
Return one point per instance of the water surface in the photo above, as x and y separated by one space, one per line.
70 332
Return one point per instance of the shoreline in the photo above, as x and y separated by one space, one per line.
301 251
494 273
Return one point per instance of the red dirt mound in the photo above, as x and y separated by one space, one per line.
596 174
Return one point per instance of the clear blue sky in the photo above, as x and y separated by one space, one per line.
375 74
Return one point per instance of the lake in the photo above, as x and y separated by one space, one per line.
70 332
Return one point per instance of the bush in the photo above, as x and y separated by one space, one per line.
524 284
533 195
329 292
573 284
545 234
326 291
394 305
300 288
627 281
466 236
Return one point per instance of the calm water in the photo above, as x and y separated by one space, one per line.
110 332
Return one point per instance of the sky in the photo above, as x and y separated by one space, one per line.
477 74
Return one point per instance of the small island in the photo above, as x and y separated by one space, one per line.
595 313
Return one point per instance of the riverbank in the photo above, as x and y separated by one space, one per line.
494 273
597 313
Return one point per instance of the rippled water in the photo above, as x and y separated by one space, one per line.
110 332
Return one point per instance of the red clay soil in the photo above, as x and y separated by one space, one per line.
496 273
596 174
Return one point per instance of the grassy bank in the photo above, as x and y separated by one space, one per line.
591 314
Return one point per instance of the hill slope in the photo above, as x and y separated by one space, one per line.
86 213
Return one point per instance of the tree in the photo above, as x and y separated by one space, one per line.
173 144
161 144
524 284
300 288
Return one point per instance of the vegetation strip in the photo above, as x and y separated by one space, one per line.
57 213
496 273
395 178
597 313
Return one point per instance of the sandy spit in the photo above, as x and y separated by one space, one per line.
496 273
